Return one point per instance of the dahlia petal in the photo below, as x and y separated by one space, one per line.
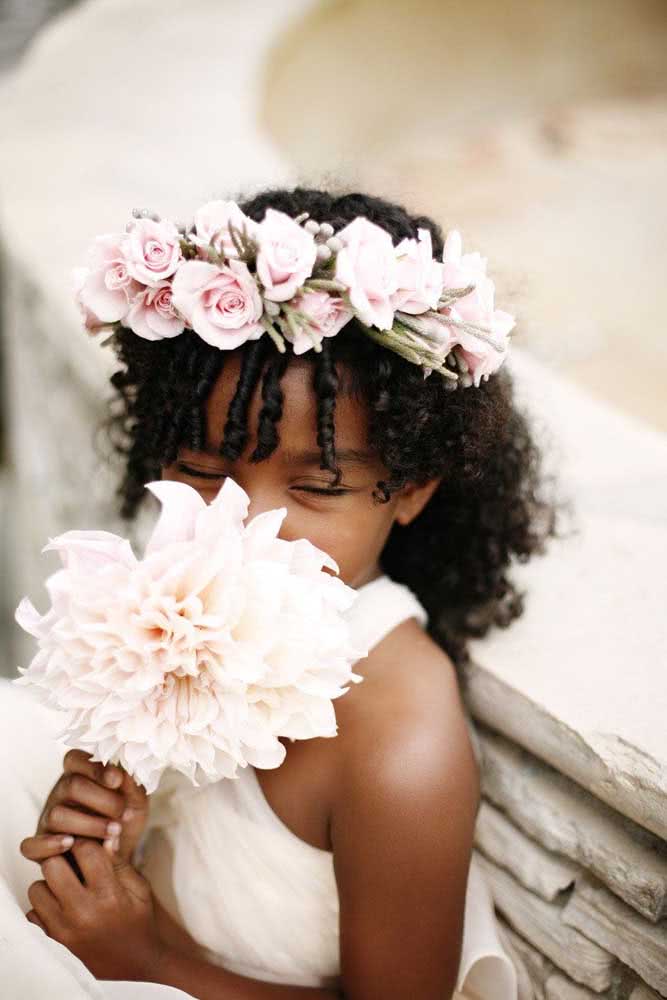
180 506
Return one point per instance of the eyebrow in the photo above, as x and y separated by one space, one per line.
352 456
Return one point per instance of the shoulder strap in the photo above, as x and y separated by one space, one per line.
380 606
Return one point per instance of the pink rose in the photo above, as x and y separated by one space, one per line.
439 337
477 307
152 250
367 266
221 304
152 314
211 225
286 255
104 290
326 313
470 269
483 358
420 277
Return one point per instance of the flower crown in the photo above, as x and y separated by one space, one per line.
230 279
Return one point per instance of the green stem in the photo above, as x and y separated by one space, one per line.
452 294
294 318
327 284
243 244
422 358
481 332
273 334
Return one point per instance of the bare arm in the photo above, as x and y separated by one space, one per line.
402 830
173 934
212 982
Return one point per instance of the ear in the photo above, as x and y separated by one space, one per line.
413 499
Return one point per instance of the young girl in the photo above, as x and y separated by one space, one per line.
348 870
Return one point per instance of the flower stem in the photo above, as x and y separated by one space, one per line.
273 334
481 332
327 284
450 295
295 320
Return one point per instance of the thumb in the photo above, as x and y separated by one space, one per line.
135 794
134 816
131 880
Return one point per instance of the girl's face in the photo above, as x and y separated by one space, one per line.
345 521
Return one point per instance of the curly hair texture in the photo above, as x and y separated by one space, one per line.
490 506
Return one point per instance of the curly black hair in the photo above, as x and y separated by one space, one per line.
492 505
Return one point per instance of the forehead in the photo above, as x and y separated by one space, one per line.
297 427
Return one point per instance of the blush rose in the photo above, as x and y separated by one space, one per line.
221 304
105 289
477 307
152 250
212 222
286 255
366 265
420 277
152 314
327 314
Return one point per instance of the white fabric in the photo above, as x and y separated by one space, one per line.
262 901
268 907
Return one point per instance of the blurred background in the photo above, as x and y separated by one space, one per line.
539 129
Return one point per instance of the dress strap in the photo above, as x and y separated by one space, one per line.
380 606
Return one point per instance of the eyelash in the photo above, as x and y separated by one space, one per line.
336 492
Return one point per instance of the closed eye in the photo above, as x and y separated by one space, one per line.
198 474
323 492
320 491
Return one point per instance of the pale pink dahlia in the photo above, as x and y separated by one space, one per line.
198 656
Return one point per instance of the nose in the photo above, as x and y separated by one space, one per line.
268 500
263 501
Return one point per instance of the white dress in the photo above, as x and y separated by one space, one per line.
262 902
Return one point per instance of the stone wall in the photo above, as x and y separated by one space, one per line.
568 707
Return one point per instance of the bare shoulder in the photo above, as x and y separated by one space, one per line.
407 716
402 820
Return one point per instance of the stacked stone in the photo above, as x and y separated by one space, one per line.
580 887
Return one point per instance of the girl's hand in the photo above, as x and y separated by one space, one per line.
90 800
107 921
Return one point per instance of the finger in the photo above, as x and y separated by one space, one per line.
61 880
135 814
44 846
94 861
80 762
112 845
135 794
132 880
76 789
34 919
44 903
65 819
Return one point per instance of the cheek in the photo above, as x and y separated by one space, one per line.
353 537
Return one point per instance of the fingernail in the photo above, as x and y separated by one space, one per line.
112 779
115 844
113 828
67 841
128 814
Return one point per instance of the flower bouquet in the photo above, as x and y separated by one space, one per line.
200 655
